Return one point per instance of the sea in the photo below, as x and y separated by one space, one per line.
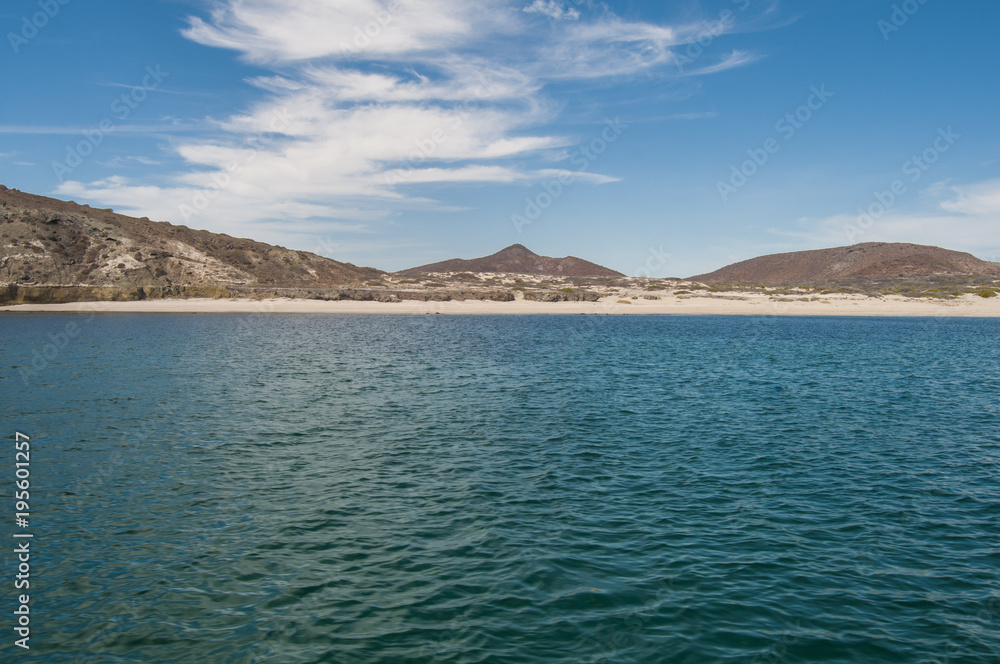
554 489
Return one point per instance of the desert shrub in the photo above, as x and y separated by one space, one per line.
986 292
682 292
624 301
567 290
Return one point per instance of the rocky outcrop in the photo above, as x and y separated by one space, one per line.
61 246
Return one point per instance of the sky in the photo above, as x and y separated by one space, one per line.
657 138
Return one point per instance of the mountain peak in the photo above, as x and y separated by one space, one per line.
515 249
518 259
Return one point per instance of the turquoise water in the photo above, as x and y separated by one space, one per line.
247 489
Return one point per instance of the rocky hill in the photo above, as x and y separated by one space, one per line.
517 259
870 260
48 244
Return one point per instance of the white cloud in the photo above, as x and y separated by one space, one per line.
496 174
229 209
966 222
552 9
977 199
274 30
366 98
731 61
119 162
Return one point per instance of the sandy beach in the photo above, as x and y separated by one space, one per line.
740 304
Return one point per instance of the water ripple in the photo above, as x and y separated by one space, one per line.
527 489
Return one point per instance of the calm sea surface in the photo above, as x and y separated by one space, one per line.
291 489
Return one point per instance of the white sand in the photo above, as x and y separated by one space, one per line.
718 304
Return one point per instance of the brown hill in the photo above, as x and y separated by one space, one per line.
46 242
518 259
870 260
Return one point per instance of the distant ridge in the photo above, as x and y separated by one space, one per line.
45 242
518 259
860 261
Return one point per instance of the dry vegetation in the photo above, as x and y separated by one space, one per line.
56 251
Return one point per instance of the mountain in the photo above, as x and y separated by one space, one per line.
518 259
46 242
869 260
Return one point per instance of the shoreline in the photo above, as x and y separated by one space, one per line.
730 304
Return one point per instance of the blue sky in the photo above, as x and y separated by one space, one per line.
658 138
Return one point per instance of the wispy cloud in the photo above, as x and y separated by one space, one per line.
55 130
276 31
118 162
553 10
962 217
368 98
159 89
733 60
976 199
